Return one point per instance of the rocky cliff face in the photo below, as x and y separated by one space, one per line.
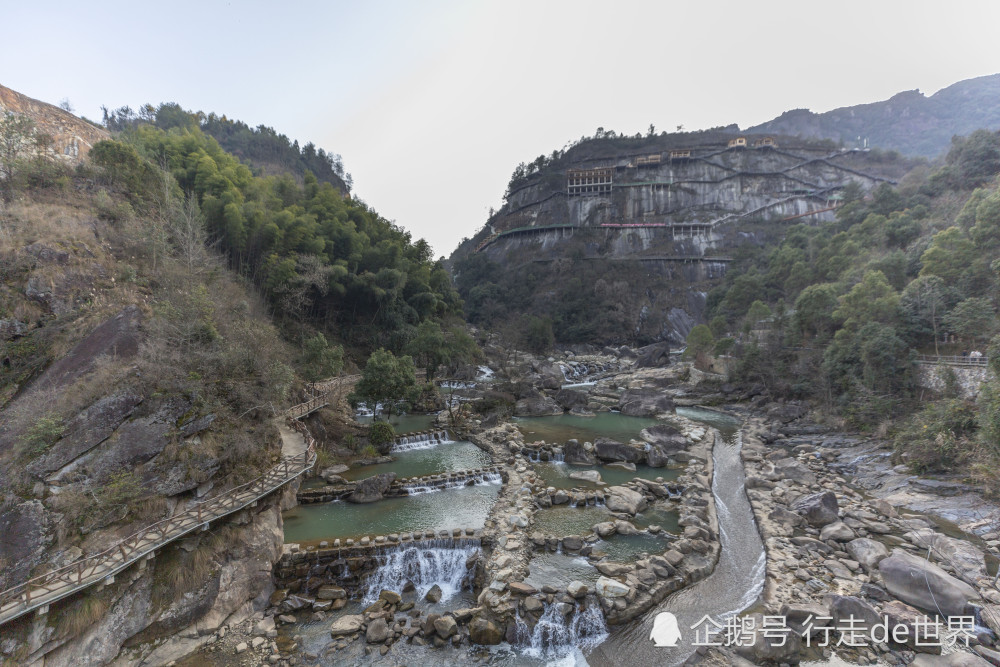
104 431
647 231
72 138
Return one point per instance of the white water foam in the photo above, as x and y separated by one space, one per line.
424 565
490 478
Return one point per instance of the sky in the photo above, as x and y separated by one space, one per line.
433 103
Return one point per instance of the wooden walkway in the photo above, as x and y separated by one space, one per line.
38 593
953 360
321 391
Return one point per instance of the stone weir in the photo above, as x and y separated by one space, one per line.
419 440
410 486
313 577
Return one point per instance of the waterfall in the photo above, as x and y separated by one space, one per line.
485 373
440 562
409 443
555 636
474 480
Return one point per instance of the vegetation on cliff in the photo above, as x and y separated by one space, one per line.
909 270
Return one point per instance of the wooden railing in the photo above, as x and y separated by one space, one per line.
953 360
102 567
321 395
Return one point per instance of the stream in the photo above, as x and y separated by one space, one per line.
734 585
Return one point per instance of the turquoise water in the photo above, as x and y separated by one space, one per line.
628 548
445 457
560 428
563 520
464 507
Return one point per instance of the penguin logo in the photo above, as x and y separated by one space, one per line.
665 632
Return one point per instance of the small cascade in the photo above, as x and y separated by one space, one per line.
476 480
408 443
485 374
457 384
557 636
554 456
440 562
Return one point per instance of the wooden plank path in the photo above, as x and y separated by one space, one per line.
321 398
953 360
38 593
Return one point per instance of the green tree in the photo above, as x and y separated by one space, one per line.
972 319
386 380
758 311
871 300
538 336
925 302
320 359
814 311
699 341
948 256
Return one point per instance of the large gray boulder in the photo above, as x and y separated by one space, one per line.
653 356
612 450
624 499
537 406
868 552
793 470
819 509
922 584
644 403
347 625
845 607
571 398
664 441
550 375
372 488
574 452
960 554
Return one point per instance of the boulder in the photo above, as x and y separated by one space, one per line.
611 588
838 531
792 470
370 490
966 558
665 442
574 452
819 509
644 403
612 450
333 473
624 499
390 597
656 355
777 648
843 607
918 636
347 625
539 406
330 592
445 627
577 589
377 632
922 584
592 476
867 552
434 594
521 588
486 632
604 529
571 398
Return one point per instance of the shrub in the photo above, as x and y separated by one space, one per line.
42 434
380 434
368 451
938 437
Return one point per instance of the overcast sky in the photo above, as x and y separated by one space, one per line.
432 104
